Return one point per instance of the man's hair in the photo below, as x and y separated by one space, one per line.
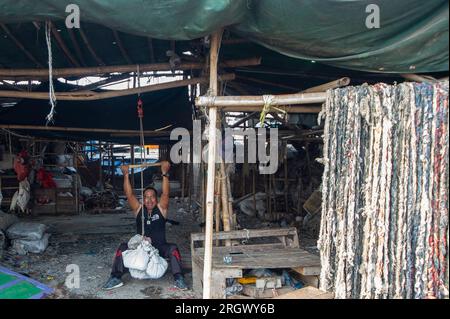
151 188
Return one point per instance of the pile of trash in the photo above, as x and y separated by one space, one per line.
28 237
101 199
143 260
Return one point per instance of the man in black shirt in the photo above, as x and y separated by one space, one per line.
154 228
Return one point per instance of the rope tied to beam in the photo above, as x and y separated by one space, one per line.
268 106
51 92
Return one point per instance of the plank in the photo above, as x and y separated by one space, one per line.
250 233
307 293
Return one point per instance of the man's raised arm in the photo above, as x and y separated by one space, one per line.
132 200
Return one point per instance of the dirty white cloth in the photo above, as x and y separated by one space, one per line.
136 258
143 260
157 265
26 231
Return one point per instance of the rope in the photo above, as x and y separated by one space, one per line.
143 160
268 106
51 92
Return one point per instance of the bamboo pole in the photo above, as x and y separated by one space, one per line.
217 194
241 101
330 85
78 129
145 165
224 197
233 219
312 109
92 96
286 182
214 53
90 71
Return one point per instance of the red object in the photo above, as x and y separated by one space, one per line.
21 165
140 108
46 179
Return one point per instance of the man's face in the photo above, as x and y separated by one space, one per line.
150 199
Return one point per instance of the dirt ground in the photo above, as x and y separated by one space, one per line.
89 241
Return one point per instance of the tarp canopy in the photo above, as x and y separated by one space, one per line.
412 38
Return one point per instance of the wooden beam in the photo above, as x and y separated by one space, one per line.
330 85
20 46
81 72
243 120
92 96
63 46
248 101
121 47
90 48
288 109
418 78
75 44
78 129
151 50
207 267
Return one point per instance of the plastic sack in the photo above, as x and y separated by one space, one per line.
32 246
157 265
134 242
136 258
26 230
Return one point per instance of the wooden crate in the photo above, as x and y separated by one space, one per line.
284 252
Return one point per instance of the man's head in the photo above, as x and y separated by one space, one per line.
150 198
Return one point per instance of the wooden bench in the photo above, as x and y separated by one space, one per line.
251 249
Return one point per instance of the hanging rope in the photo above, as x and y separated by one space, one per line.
140 111
51 92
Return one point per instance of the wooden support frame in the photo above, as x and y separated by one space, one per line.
212 151
90 48
91 71
122 49
20 45
93 96
75 44
63 47
258 101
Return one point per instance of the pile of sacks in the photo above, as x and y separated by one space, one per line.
28 237
143 260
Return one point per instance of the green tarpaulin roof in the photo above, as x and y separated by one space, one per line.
412 38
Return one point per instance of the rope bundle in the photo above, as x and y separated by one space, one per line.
384 225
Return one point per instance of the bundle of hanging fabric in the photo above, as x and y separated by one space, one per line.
384 225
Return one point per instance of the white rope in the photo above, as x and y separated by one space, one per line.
51 92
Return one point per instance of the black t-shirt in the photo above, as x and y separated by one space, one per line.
155 226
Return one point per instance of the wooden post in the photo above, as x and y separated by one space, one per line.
224 196
77 176
254 189
182 180
286 182
214 53
113 166
217 194
100 171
